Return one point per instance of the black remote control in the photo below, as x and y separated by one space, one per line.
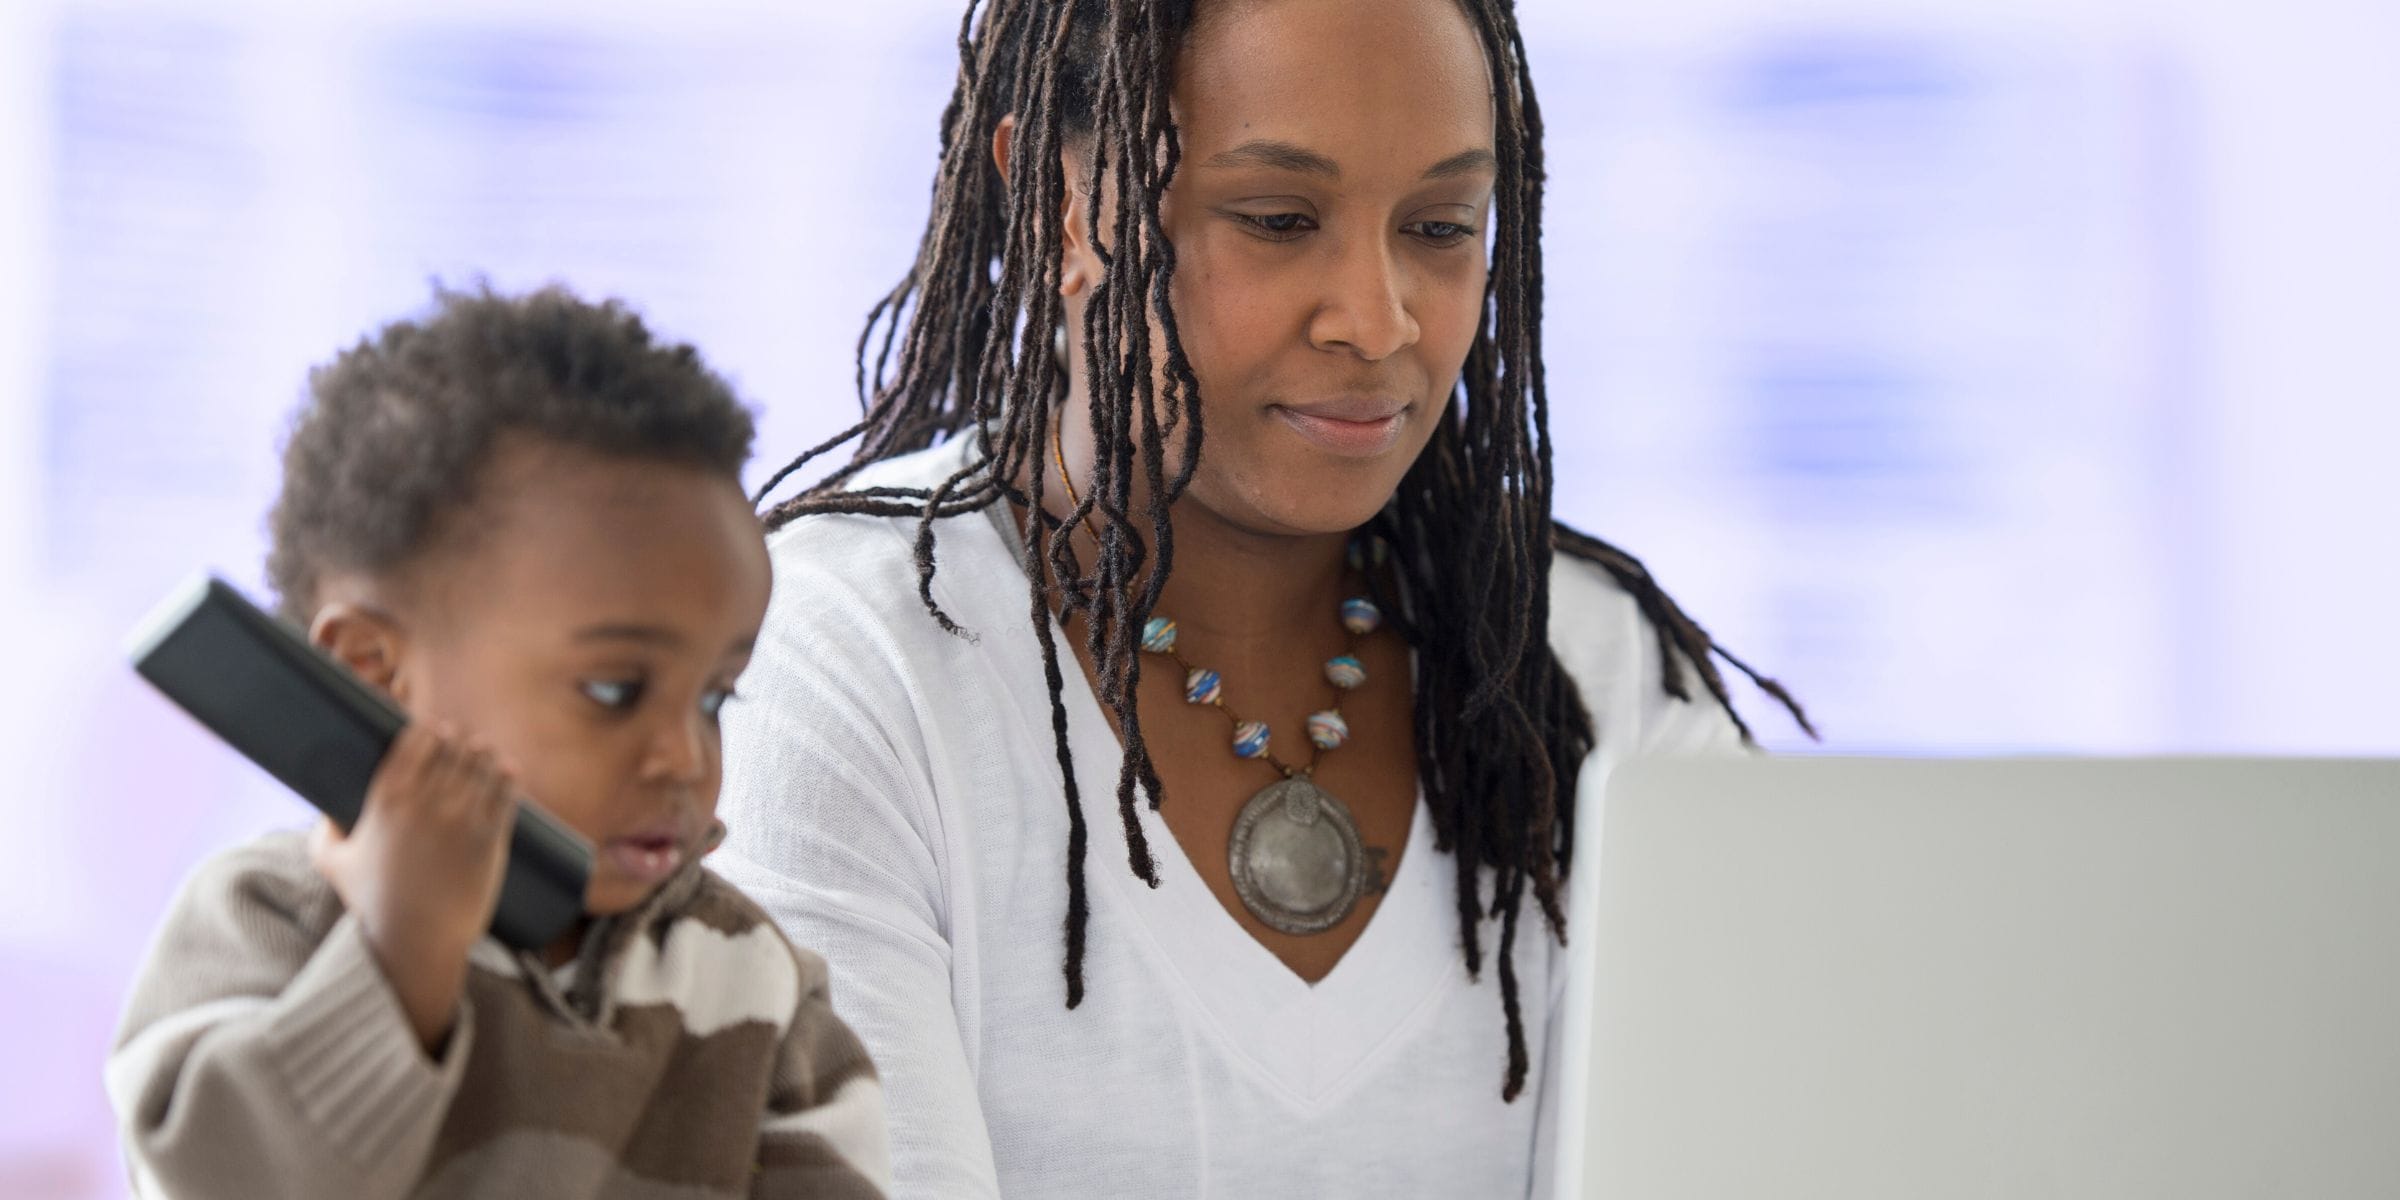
253 681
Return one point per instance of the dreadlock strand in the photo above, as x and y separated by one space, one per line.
1519 1060
1772 688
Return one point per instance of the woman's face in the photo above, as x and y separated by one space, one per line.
1328 223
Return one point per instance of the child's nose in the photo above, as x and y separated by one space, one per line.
680 750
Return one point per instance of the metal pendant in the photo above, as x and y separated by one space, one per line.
1297 862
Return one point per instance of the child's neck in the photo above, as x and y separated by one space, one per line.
568 945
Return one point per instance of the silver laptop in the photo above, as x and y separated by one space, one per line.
1894 980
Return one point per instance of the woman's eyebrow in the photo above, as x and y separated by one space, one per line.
1285 156
1282 156
1465 162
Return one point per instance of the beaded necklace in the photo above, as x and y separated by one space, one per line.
1297 862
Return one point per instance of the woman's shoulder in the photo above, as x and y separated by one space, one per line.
858 538
1597 627
1617 658
835 568
850 647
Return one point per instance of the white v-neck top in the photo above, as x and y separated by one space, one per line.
894 800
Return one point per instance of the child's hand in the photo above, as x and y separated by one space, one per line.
421 869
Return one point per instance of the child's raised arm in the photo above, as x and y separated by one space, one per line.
300 1025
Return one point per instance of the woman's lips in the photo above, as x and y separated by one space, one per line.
1347 429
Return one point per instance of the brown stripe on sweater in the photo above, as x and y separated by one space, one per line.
832 1055
678 1134
586 1077
537 1166
803 1164
829 1053
720 906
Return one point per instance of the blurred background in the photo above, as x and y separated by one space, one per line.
2003 377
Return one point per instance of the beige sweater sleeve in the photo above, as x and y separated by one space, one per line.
823 1136
264 1055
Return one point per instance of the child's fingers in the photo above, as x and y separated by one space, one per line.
328 848
484 795
460 777
446 754
435 775
405 761
500 798
418 757
324 839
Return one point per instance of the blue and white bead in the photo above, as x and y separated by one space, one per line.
1360 616
1345 672
1158 635
1328 730
1202 686
1250 739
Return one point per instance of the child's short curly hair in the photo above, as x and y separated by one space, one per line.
396 429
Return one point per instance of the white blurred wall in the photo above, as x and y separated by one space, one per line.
2002 379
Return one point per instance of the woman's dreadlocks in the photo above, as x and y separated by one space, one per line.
1500 730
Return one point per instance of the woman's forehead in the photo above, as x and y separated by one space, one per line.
1356 82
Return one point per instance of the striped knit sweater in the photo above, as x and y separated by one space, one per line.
688 1053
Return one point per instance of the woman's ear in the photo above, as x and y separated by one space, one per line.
1078 267
366 641
1003 137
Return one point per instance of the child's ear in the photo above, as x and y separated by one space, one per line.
365 640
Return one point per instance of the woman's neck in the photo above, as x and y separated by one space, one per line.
1231 586
1235 587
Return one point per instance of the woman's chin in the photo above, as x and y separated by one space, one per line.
1280 485
1316 508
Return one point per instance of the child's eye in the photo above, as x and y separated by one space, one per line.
616 695
713 701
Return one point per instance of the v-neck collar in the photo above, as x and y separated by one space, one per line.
1309 1041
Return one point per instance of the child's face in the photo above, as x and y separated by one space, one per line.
586 627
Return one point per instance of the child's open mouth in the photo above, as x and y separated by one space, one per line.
646 857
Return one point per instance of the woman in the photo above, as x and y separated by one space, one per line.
1323 643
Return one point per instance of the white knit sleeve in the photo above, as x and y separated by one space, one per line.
833 828
1612 652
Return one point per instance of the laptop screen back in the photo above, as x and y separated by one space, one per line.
1890 980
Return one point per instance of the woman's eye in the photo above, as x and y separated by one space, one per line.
1444 233
1277 226
614 694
